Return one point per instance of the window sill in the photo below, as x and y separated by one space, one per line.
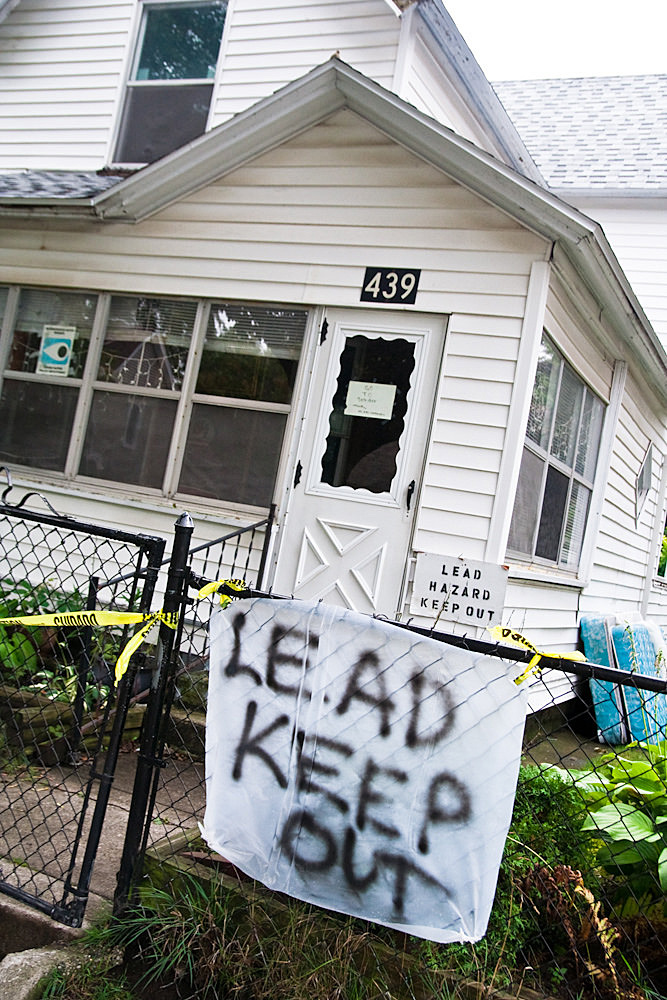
140 502
544 577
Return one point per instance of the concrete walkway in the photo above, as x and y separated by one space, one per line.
31 943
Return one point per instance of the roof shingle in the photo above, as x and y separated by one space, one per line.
593 133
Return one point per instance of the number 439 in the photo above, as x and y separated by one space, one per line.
386 285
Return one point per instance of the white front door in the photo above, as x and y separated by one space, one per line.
346 533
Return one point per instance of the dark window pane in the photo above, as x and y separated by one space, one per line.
36 423
181 42
128 438
232 454
361 450
527 503
553 515
158 119
251 352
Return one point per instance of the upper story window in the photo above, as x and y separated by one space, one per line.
558 465
169 92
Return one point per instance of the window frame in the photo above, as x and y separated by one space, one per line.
543 453
131 82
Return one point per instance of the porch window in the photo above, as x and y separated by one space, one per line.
558 465
137 390
163 396
169 93
242 394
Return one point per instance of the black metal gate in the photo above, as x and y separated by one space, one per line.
63 718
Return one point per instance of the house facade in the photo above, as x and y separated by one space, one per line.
346 291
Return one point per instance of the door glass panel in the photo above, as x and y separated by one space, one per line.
368 413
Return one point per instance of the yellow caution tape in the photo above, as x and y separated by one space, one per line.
70 619
238 586
509 637
97 619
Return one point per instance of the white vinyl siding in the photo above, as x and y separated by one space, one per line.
61 64
64 63
623 554
637 231
299 225
428 88
267 46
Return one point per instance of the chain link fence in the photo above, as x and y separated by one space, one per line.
580 903
62 718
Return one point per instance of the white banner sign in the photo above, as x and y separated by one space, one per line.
359 766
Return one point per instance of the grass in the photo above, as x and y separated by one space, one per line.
218 939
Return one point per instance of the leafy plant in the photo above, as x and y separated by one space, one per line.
626 798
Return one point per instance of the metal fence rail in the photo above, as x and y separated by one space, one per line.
60 711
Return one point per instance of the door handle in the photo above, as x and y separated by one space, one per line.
411 490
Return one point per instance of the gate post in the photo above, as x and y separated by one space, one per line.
151 743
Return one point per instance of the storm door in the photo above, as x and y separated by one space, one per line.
356 480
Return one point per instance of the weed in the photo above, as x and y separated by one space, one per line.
217 941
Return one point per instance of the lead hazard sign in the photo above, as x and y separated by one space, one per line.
458 590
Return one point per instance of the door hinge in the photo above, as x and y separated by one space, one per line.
323 331
297 474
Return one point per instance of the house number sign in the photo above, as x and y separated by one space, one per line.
384 284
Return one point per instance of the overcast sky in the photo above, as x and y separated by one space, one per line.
531 39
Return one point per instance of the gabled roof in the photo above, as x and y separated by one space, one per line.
594 134
335 86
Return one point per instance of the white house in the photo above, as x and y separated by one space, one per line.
309 261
